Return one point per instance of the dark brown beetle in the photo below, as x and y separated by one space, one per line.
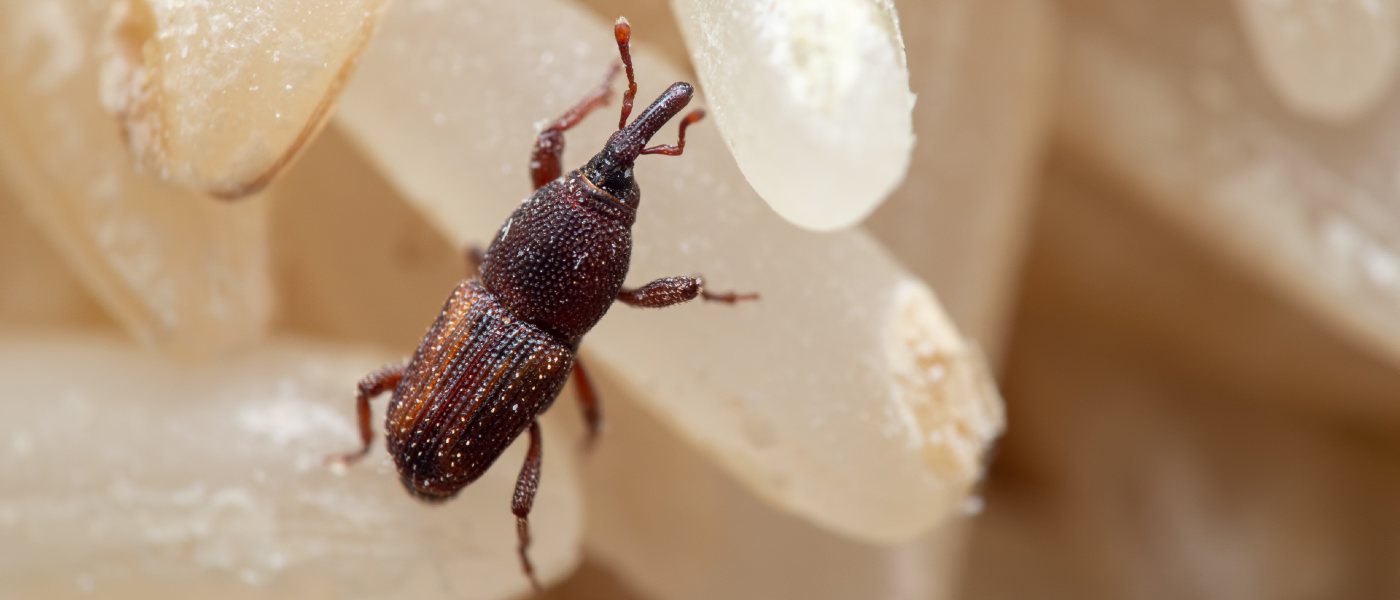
503 345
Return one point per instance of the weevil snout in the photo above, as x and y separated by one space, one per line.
630 141
611 168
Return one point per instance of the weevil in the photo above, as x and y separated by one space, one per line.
507 338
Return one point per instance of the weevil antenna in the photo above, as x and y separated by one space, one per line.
676 150
622 30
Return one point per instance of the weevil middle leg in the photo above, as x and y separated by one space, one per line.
588 400
473 256
383 380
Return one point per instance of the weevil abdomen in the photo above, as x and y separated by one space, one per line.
478 379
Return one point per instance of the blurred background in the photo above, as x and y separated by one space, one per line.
1170 226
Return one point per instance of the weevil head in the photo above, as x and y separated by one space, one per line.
611 169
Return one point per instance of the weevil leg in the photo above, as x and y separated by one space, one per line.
548 153
474 256
588 399
525 487
679 148
374 384
669 291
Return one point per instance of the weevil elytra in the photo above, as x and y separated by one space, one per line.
506 340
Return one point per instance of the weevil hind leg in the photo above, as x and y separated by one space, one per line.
525 488
383 380
670 291
588 401
548 153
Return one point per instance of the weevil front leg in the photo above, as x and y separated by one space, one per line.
383 380
588 400
548 153
669 291
525 487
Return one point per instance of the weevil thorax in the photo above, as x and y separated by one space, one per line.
560 259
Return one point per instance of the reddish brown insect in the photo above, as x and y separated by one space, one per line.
505 343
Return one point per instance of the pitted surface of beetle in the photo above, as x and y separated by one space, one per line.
477 381
504 344
562 257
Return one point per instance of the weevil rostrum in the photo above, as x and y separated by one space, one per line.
506 340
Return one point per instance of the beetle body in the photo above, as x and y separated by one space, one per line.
504 343
501 348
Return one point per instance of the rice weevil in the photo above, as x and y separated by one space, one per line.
506 340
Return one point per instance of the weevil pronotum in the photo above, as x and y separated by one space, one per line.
505 342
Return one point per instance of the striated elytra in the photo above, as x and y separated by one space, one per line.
506 341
